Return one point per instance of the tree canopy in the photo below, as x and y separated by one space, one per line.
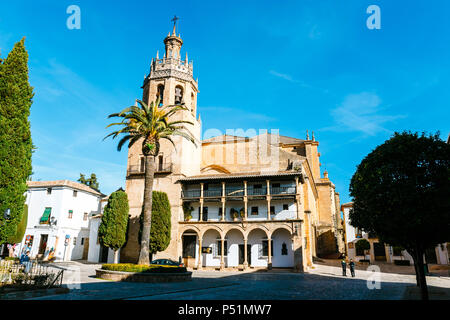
90 182
401 193
161 223
15 137
113 227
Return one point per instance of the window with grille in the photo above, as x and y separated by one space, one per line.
265 248
85 216
70 214
255 211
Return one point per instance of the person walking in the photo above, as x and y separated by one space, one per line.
352 267
344 267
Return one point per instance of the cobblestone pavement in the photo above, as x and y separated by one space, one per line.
322 282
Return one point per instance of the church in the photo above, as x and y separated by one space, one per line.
237 202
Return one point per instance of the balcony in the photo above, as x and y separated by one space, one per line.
190 193
282 190
160 168
256 191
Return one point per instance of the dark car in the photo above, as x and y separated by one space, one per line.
167 262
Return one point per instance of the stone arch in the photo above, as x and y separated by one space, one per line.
283 226
240 230
258 227
188 228
212 227
215 167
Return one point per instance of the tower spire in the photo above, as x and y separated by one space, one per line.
175 19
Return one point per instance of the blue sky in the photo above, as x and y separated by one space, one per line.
300 65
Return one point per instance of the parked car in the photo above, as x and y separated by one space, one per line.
167 262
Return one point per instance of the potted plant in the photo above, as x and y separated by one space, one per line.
234 213
242 213
187 209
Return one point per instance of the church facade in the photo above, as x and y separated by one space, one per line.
236 202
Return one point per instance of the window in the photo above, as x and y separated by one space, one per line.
160 94
82 241
161 163
70 214
219 248
192 102
285 207
74 241
272 210
265 248
49 190
205 213
75 193
85 216
254 211
284 250
178 95
205 186
45 219
220 211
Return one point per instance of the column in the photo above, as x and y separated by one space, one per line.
200 218
245 254
201 202
199 265
222 256
268 199
269 254
300 263
223 201
245 201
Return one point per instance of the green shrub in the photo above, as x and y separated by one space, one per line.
142 268
11 259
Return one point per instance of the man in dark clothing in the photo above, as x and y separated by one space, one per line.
344 267
352 267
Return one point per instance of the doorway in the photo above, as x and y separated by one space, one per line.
103 254
43 243
379 251
241 254
189 243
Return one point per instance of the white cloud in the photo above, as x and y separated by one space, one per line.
361 113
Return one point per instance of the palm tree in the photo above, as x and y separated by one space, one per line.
149 124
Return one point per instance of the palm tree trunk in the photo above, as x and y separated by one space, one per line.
144 257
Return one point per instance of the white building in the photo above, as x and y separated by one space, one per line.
58 219
382 252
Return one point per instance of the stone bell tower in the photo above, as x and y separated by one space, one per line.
171 80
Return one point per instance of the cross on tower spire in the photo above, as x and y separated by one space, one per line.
175 19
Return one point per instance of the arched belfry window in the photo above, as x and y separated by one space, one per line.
192 102
160 94
178 95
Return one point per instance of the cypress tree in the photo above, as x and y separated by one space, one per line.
113 227
21 227
15 137
161 223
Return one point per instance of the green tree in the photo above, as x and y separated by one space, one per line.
148 124
15 137
91 182
161 223
113 227
21 227
362 245
401 193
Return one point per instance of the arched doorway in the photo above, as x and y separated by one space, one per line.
189 240
235 239
282 255
210 248
257 256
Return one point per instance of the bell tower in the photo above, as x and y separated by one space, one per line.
171 80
